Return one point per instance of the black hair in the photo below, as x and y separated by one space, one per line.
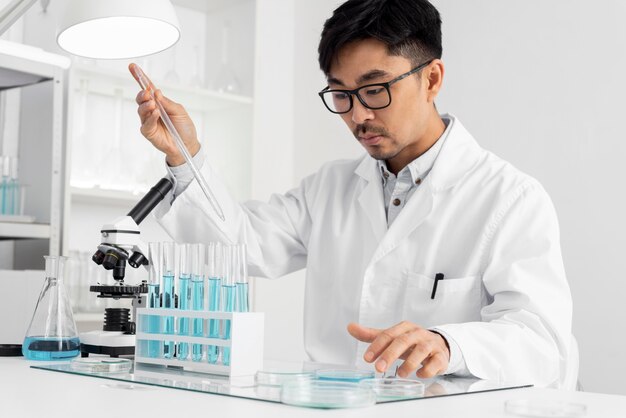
409 28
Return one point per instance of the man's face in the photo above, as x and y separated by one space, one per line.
392 133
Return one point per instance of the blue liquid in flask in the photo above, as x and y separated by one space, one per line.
168 303
214 324
50 348
184 297
198 305
229 306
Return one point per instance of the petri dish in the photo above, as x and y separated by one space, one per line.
344 375
101 365
545 408
274 378
327 394
388 388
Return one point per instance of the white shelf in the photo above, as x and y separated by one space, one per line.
110 82
19 230
104 196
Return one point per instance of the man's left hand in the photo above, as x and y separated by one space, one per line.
418 347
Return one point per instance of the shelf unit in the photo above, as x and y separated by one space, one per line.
41 78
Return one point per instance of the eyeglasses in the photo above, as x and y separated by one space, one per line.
372 96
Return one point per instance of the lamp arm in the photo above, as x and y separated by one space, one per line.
12 12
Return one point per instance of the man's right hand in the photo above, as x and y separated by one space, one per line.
155 131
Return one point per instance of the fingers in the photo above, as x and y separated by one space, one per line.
383 340
149 124
422 349
362 333
432 366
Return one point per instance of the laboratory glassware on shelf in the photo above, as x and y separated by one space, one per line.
12 193
225 80
52 331
232 340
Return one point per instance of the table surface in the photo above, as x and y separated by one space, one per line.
27 392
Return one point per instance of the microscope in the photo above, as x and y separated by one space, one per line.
121 246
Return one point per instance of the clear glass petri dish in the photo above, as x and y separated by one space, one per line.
101 365
388 388
344 375
275 378
327 394
544 408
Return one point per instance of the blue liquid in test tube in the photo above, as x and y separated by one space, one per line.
242 297
152 325
154 322
214 324
198 305
228 295
168 303
184 296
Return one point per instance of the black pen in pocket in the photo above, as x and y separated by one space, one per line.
438 276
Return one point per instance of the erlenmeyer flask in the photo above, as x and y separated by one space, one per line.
52 332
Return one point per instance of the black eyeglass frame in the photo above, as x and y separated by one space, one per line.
355 92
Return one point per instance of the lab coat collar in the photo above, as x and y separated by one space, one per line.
457 156
459 153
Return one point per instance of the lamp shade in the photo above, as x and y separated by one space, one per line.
117 29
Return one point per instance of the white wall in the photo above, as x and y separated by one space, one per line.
542 85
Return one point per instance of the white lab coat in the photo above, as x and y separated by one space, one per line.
489 228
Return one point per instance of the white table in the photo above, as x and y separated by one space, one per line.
26 392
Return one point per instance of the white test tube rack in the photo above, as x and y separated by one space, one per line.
246 341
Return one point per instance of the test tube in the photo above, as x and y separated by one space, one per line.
241 279
14 189
4 185
169 262
197 281
214 261
184 297
154 280
228 296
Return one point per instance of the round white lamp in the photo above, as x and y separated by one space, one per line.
117 29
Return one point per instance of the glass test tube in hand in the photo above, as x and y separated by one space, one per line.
168 271
197 281
184 296
214 261
154 279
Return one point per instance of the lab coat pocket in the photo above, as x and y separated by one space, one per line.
456 300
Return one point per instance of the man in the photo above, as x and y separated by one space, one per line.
427 249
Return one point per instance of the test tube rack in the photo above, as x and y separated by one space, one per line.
246 340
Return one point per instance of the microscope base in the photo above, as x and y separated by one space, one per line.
111 343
